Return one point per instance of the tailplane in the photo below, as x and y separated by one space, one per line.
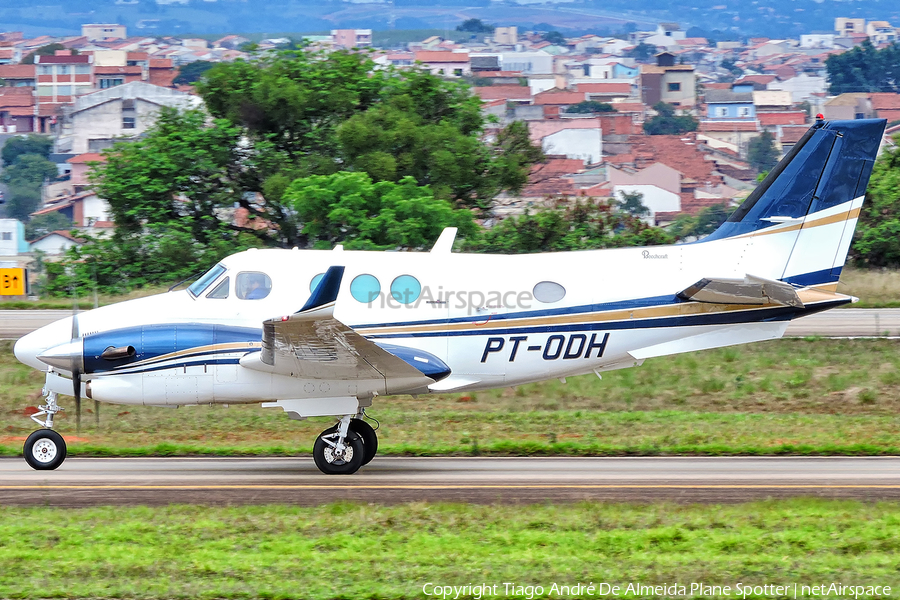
809 203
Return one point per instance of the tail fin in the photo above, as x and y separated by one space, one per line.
811 200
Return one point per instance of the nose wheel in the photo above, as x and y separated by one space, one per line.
45 449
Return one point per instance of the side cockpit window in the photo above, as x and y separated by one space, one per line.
220 292
199 286
252 285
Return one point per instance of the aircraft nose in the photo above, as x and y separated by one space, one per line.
28 348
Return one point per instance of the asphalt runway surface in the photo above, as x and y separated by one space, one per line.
845 322
224 481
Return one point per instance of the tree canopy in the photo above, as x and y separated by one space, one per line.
48 50
30 144
642 52
24 178
554 37
761 153
189 73
666 122
864 69
475 26
591 106
877 239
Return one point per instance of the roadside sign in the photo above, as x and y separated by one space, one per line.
12 282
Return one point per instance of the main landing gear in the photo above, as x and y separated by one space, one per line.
345 447
45 449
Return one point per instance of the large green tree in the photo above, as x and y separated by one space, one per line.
667 122
24 178
761 152
864 69
351 209
568 226
877 239
317 113
30 144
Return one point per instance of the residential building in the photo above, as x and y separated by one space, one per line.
667 82
730 104
447 64
84 209
352 38
98 119
528 63
573 138
18 75
61 79
881 32
666 36
886 106
506 36
12 238
845 27
848 106
817 40
17 110
54 243
103 31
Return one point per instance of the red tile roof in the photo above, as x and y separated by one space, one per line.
160 63
629 107
787 117
16 96
763 79
791 134
498 74
436 56
679 152
729 126
882 100
559 97
504 92
86 158
17 71
62 60
604 88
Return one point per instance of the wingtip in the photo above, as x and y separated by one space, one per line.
326 291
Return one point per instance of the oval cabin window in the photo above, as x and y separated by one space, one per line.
549 291
365 288
406 289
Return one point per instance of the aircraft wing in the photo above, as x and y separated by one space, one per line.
749 290
312 344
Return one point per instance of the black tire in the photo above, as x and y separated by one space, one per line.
44 450
370 440
339 466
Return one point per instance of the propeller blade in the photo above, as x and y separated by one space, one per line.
76 384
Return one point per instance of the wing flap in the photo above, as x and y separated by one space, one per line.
749 290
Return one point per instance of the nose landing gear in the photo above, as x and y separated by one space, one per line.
45 449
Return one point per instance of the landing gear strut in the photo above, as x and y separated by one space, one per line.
45 449
337 456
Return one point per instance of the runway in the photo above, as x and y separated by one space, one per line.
218 481
841 322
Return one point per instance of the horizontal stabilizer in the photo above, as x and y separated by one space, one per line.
749 290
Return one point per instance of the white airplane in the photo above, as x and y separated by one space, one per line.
376 324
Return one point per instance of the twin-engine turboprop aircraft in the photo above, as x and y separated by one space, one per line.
375 324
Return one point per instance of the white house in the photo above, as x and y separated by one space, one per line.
655 198
54 243
582 144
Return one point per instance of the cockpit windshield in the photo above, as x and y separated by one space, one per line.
204 282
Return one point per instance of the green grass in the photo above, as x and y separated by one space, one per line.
362 551
801 397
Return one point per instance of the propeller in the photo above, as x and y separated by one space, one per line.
76 371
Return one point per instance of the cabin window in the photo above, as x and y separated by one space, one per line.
220 292
252 285
315 282
548 291
365 288
199 286
406 289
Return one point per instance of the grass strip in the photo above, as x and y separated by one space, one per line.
347 550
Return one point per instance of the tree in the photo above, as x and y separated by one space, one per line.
32 144
710 218
48 50
47 223
591 106
351 209
475 26
632 203
864 69
729 65
877 239
554 37
24 179
642 52
666 122
314 113
579 226
190 72
762 154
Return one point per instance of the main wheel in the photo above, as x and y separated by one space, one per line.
44 450
331 462
365 431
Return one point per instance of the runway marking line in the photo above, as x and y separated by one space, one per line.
448 487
